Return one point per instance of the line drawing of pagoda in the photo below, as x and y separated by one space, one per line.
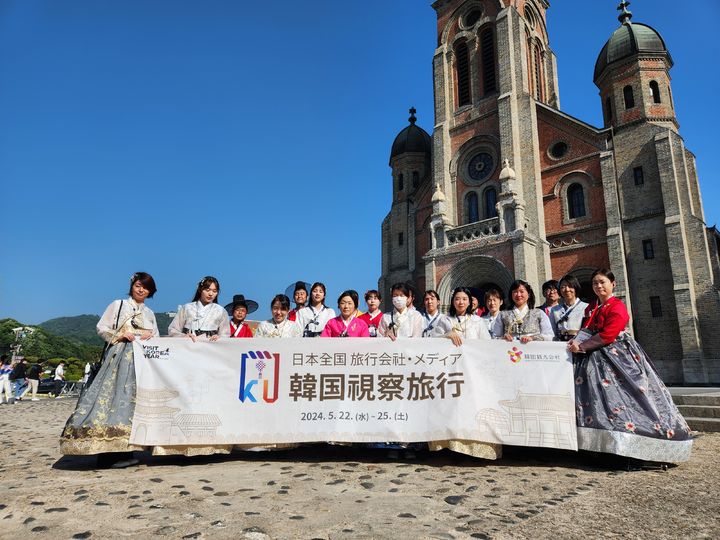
159 423
197 427
533 419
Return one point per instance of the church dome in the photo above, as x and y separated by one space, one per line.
628 40
411 139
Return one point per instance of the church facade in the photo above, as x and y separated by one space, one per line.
508 186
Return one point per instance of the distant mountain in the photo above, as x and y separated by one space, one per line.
41 343
82 328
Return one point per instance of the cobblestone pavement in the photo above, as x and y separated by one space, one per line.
336 492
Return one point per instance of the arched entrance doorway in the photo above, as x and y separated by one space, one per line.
583 276
481 272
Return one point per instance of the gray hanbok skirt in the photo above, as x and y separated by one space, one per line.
102 420
624 408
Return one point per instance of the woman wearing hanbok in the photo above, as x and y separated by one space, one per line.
279 326
313 318
203 318
102 420
464 323
401 321
373 315
347 324
566 317
435 324
622 404
493 303
523 321
238 310
465 326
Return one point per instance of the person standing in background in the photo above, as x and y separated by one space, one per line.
59 378
33 375
5 386
18 378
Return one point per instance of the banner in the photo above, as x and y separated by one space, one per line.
260 391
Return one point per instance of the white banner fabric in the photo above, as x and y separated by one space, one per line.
262 391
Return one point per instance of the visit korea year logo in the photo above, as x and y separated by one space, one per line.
259 372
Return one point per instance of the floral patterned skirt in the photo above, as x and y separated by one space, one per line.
102 420
624 408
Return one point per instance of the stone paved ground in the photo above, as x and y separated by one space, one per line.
337 493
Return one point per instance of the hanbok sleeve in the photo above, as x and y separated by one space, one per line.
224 326
361 328
150 318
178 323
383 327
327 331
417 324
295 331
546 330
443 327
613 323
106 325
483 332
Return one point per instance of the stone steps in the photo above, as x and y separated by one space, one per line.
708 400
710 425
701 410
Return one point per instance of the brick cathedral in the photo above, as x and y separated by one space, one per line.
508 186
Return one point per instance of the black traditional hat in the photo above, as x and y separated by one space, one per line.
297 286
251 305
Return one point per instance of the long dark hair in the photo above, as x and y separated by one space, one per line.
453 311
205 283
515 286
322 286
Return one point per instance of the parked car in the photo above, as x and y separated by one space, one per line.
47 386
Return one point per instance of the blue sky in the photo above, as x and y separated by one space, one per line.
247 140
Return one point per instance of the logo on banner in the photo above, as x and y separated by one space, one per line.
259 371
515 355
154 352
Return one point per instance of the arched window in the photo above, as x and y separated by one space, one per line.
576 201
462 69
537 71
401 182
487 42
489 202
415 179
629 97
471 204
655 92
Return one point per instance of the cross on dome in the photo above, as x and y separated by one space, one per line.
625 14
412 118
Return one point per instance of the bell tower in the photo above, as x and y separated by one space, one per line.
633 75
659 208
492 66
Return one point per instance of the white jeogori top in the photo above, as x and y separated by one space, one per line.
198 317
133 317
287 328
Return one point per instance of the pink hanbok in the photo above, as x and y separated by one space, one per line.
337 328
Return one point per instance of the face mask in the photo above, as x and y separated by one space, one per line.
400 302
